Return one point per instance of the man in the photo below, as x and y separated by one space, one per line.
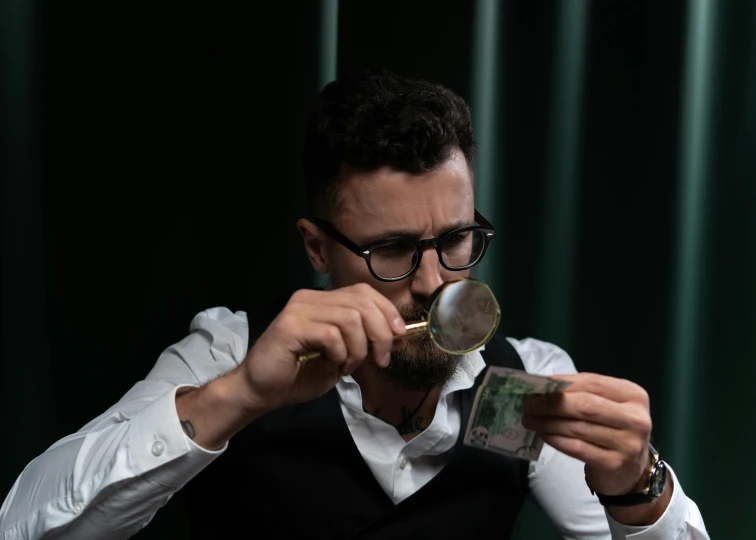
362 442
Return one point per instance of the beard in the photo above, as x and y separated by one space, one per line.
418 364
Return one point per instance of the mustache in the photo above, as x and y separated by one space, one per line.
411 312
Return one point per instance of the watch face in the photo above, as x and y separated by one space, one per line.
658 479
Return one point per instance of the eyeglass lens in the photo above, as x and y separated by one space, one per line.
398 257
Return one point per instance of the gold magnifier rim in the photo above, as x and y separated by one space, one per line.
491 332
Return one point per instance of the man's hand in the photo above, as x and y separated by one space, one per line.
347 325
602 421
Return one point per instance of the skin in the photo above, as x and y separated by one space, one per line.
602 421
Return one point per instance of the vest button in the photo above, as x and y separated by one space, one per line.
403 463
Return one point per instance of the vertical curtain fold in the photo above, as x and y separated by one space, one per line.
485 96
25 369
560 217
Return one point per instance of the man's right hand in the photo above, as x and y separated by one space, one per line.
347 326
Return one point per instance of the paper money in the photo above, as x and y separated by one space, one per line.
496 419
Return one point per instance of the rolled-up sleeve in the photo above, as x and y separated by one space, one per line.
681 521
110 478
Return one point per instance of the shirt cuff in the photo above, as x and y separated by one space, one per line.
671 525
159 448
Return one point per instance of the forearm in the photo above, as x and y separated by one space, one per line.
109 479
48 497
212 414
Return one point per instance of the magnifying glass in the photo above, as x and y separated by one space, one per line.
460 316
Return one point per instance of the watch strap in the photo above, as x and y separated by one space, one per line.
657 467
631 499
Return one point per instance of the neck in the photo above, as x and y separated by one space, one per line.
410 411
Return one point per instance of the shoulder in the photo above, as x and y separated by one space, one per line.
542 358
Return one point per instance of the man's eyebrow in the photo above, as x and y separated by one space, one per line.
409 233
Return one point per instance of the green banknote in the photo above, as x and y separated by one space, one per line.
496 419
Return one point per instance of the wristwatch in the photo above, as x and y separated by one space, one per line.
655 483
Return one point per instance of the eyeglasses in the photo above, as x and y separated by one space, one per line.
396 258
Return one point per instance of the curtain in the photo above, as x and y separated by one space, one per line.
150 167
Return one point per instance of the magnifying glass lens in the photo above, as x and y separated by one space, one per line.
463 317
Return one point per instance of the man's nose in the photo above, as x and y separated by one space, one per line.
427 278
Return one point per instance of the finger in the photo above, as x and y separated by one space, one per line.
324 337
377 327
350 323
619 390
586 452
589 407
386 306
600 435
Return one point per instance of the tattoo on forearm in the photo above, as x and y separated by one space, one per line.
188 428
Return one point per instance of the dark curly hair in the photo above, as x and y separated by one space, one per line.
372 118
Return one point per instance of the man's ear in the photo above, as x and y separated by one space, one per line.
314 244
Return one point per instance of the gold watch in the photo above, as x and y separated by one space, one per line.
656 481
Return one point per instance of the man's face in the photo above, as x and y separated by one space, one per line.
387 203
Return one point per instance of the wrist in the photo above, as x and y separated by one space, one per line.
643 514
649 498
234 391
214 413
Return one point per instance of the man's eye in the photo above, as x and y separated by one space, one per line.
458 238
394 249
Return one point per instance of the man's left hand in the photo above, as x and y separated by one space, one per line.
602 421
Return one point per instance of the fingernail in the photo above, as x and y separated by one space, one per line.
386 359
399 324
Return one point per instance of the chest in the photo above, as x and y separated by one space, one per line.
309 478
402 464
301 471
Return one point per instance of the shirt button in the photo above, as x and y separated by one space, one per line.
403 463
78 507
158 448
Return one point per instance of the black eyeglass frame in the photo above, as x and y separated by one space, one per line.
365 251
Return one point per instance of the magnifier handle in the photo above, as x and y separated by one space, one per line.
306 357
411 328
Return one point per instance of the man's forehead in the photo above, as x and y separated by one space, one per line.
374 199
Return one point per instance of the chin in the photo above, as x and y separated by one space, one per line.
420 366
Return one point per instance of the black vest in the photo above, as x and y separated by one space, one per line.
296 473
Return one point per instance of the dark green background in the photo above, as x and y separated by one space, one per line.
150 168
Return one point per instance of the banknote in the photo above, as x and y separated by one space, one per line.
496 419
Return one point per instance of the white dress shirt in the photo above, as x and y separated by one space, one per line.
109 479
